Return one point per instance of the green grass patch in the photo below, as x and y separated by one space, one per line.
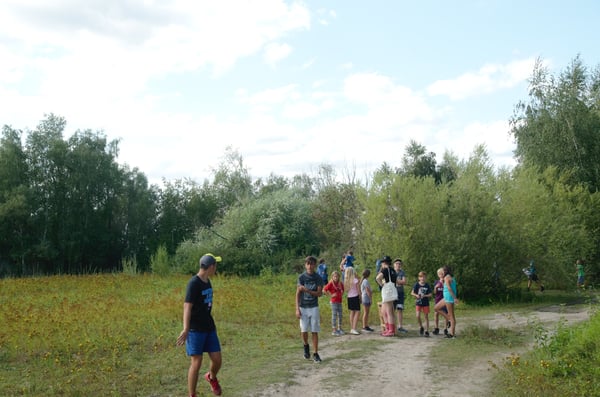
114 335
566 362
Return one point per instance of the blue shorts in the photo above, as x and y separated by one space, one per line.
198 342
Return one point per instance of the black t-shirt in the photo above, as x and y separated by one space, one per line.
200 295
389 274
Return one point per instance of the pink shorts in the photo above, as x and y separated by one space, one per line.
424 309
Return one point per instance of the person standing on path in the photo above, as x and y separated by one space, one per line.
450 299
366 298
352 288
335 288
199 330
386 275
399 303
422 292
308 291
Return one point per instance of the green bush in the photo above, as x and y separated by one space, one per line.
159 262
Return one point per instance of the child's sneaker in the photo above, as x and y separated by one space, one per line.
436 331
335 333
446 332
427 334
354 332
306 352
341 332
402 330
214 384
316 358
368 329
421 331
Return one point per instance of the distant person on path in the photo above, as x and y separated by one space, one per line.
532 276
366 299
308 291
438 291
449 301
352 288
386 275
580 273
399 303
335 288
322 270
422 292
199 330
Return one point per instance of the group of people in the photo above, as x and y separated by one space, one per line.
199 331
314 282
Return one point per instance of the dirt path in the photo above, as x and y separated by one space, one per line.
403 364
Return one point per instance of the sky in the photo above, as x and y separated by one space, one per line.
289 85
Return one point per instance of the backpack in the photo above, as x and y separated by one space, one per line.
322 271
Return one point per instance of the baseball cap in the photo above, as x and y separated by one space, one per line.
209 260
386 259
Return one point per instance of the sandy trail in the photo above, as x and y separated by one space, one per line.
403 364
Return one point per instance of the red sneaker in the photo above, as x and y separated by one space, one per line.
214 384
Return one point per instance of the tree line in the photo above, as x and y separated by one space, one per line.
68 206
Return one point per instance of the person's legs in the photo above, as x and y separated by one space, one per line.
195 364
439 309
215 364
451 317
365 317
315 341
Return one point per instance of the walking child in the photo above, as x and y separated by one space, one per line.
308 291
422 292
335 289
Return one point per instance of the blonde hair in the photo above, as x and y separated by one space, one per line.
440 270
349 277
335 272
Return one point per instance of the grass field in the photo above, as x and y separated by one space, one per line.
114 334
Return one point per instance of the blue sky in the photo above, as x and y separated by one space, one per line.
288 84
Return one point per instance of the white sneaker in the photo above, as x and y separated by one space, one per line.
354 332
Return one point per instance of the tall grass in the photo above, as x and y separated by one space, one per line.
114 335
566 363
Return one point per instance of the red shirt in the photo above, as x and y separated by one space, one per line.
336 290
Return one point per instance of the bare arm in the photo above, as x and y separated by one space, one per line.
187 315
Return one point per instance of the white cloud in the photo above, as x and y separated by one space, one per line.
488 79
275 52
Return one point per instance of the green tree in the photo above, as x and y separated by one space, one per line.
14 203
560 124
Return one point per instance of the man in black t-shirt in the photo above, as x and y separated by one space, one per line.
199 331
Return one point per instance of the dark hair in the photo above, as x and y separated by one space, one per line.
447 270
366 273
310 259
